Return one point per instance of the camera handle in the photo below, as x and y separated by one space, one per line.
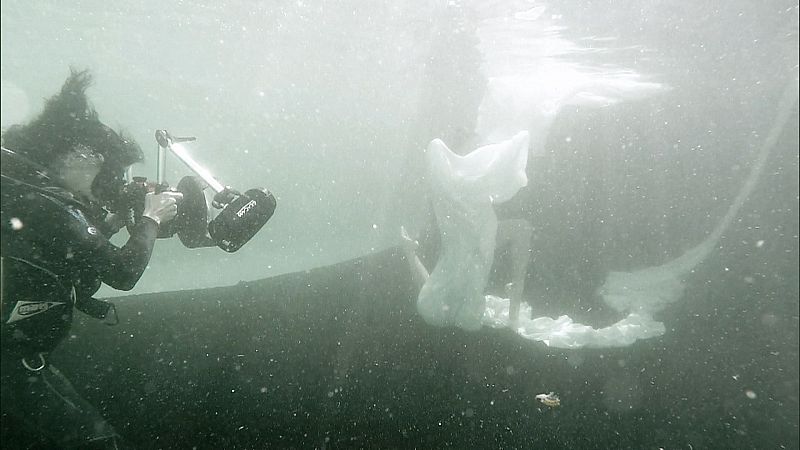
173 144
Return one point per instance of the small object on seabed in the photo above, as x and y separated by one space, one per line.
550 399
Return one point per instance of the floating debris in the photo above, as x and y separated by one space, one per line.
549 399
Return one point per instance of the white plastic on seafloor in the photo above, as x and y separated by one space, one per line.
464 189
563 332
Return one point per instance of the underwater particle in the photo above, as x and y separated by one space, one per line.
16 224
550 399
750 394
760 244
575 360
770 320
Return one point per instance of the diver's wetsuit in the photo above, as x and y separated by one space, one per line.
54 255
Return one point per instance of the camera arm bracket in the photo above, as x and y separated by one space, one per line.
174 145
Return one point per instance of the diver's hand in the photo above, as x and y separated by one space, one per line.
161 207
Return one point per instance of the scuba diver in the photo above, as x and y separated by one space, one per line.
60 171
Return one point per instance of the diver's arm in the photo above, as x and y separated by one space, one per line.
121 267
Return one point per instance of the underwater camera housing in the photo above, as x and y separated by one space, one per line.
240 217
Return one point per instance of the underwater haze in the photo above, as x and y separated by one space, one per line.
659 180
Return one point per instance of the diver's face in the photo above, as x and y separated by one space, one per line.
79 169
